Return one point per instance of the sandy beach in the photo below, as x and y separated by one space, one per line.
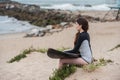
38 66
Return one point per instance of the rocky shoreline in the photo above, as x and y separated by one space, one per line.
49 19
57 19
37 16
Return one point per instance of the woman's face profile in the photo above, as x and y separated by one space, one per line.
78 27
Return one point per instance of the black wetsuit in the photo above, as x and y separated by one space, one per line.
83 47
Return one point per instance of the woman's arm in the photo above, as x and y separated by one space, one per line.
77 46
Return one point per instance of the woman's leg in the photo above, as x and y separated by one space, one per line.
78 61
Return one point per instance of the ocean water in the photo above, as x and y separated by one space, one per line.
71 4
12 25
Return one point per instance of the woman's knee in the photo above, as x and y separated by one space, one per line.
60 60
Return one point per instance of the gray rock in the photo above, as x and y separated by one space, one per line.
55 30
64 24
49 27
35 33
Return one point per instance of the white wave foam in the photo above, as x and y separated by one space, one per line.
80 7
101 7
64 6
12 25
60 6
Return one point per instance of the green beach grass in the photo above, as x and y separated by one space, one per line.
117 46
25 52
61 74
93 66
67 70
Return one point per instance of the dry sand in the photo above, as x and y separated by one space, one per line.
38 66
